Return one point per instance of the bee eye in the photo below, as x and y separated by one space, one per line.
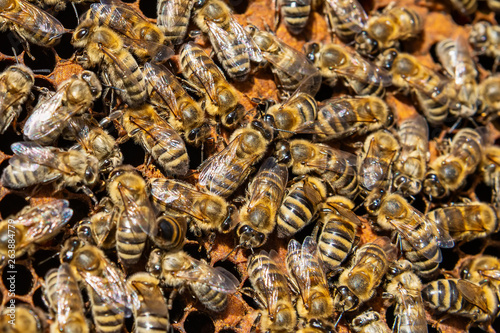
82 33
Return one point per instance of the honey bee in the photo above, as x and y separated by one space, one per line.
63 296
211 285
15 88
465 7
488 92
385 30
490 169
100 228
380 151
338 62
339 227
183 113
337 168
462 298
129 193
150 307
432 92
27 319
448 172
231 42
224 172
157 137
271 292
105 284
411 165
208 211
349 17
265 194
33 225
221 97
104 47
33 164
484 38
295 14
54 111
369 322
173 19
305 268
290 67
481 270
465 222
171 232
300 205
357 283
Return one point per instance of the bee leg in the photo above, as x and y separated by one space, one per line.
172 296
256 322
276 6
89 193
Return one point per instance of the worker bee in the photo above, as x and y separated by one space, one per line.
150 307
224 172
488 92
211 285
130 195
295 14
411 165
105 284
104 47
54 111
485 38
100 228
64 299
357 283
306 270
221 97
208 211
182 112
270 289
380 151
338 62
33 225
462 298
173 19
348 19
339 226
290 67
265 194
27 319
433 93
386 29
448 172
490 169
369 322
171 232
300 205
482 269
232 44
157 137
15 88
33 164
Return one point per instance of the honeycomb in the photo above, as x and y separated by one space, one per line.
189 316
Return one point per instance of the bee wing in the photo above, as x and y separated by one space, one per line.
436 94
271 281
412 313
335 160
65 295
111 13
160 78
271 186
172 11
490 273
473 293
347 213
140 215
350 11
123 69
463 57
359 65
35 153
242 36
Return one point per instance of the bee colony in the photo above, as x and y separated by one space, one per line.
240 166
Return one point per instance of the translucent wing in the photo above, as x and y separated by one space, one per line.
371 170
350 11
473 293
66 285
334 160
490 273
272 281
242 36
140 215
384 243
171 12
463 58
122 68
412 311
116 16
364 70
161 80
35 153
436 94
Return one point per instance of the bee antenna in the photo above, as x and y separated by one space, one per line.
234 249
49 258
76 13
41 71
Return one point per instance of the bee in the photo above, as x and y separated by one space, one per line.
33 225
456 59
231 42
465 7
462 298
54 111
411 165
337 168
130 195
270 288
295 14
15 90
63 296
265 193
306 270
33 164
339 226
488 92
379 153
485 38
171 233
150 307
290 67
211 285
432 92
26 319
300 205
369 322
404 288
182 112
357 283
348 19
104 47
221 98
173 19
448 172
208 211
337 62
385 30
482 269
104 282
224 172
100 228
157 137
490 169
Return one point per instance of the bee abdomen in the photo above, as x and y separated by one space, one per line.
336 241
295 213
130 241
211 298
105 319
295 15
239 67
13 177
150 323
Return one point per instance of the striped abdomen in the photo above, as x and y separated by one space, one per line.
236 63
16 175
107 319
132 86
424 267
210 297
336 239
130 240
191 58
174 28
295 14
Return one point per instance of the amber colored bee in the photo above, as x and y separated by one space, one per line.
173 19
490 169
295 14
347 17
482 269
488 95
100 227
28 319
485 38
369 322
